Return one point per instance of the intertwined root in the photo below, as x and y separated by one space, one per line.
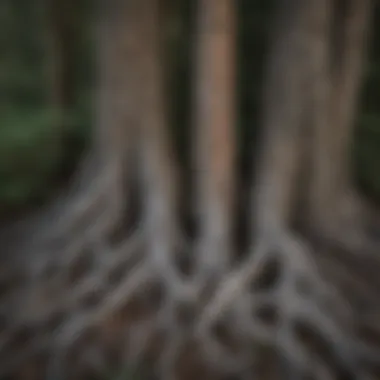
275 298
278 298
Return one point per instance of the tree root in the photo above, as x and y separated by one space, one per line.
274 298
299 295
149 268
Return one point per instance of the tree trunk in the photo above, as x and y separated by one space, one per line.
284 106
159 164
347 77
118 108
280 275
337 73
320 211
119 100
214 123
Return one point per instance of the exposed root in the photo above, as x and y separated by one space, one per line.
148 268
298 295
83 206
94 209
70 331
212 260
274 298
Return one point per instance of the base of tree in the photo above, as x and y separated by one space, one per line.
95 303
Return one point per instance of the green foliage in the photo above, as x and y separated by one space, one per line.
26 159
32 151
37 146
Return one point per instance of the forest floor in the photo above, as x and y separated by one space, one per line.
357 276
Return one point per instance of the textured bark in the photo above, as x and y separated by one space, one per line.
279 261
214 123
337 70
321 176
284 106
347 77
118 107
118 101
158 161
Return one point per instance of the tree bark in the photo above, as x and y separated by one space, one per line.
284 106
320 87
158 162
279 260
214 122
346 85
105 180
337 72
118 101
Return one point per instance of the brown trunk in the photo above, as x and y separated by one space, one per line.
346 82
118 102
159 164
336 76
284 108
118 107
320 105
280 271
214 124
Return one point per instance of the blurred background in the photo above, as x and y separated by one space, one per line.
48 77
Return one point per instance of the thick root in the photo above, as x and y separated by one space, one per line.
275 298
295 296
